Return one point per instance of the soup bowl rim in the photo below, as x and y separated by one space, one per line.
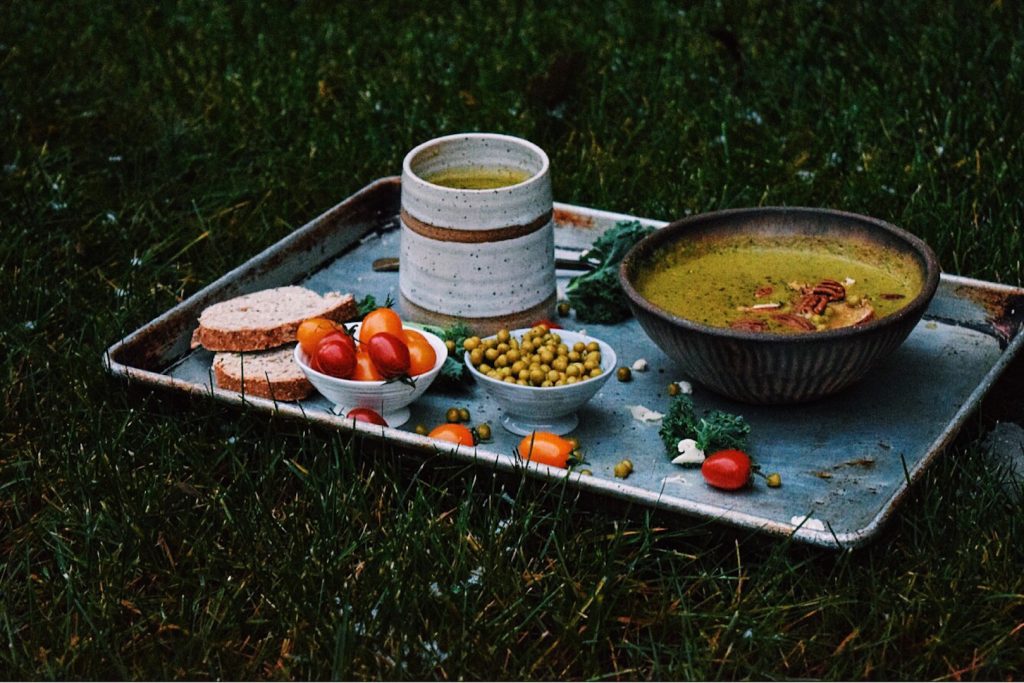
634 259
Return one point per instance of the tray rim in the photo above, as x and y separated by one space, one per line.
700 513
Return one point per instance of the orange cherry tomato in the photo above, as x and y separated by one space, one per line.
422 356
456 433
546 448
365 370
311 331
380 320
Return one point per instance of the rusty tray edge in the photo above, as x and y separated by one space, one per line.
184 314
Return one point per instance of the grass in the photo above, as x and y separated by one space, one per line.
148 148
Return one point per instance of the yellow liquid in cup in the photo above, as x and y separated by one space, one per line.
478 177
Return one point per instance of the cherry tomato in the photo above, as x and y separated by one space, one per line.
335 356
389 353
380 320
311 331
340 336
422 356
546 448
365 370
366 415
456 433
728 469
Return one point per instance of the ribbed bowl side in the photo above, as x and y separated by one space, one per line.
763 372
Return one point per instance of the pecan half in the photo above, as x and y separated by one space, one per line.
812 303
831 289
763 291
794 322
892 296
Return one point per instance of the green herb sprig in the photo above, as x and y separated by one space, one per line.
597 295
712 432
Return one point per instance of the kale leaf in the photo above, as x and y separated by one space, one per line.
369 304
597 296
712 432
453 372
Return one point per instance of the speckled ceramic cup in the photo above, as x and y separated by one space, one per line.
485 257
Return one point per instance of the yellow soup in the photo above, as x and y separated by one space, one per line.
478 177
780 284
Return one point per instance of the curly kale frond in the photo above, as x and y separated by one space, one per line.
453 372
369 304
612 245
712 432
718 430
597 296
680 422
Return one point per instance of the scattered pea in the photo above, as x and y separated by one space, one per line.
623 468
563 308
774 480
464 415
483 431
421 429
624 374
452 415
586 472
673 389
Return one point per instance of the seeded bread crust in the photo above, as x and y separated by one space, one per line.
268 318
268 374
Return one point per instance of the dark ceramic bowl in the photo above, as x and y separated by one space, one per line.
775 368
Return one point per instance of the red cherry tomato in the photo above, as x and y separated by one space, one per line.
728 469
422 356
335 356
389 353
365 370
455 433
366 415
340 336
547 448
311 331
380 320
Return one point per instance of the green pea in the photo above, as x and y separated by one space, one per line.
483 431
623 468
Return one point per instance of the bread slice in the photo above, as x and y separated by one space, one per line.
267 318
268 374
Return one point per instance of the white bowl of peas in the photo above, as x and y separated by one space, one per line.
538 376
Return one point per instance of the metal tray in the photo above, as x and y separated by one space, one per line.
846 462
